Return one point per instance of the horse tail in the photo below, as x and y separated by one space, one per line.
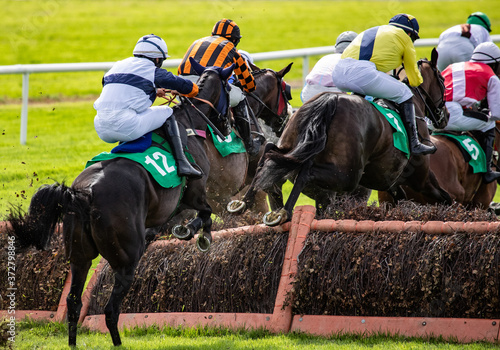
314 119
47 207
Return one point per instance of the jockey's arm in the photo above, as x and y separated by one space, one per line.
167 80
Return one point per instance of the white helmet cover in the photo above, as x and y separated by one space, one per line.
151 46
486 53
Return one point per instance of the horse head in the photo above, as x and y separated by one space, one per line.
431 92
214 93
270 100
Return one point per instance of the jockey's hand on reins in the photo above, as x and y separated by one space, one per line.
168 95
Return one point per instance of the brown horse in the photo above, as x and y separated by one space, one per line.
230 174
455 175
111 203
336 142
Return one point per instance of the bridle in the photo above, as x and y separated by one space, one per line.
282 118
220 110
434 111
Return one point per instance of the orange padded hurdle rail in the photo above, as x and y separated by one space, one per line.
282 319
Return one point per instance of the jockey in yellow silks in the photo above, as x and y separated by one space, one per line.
373 53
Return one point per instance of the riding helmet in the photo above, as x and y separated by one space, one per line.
408 23
481 19
343 40
151 46
487 53
227 29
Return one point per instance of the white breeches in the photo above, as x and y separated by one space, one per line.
459 122
311 90
127 125
363 77
453 50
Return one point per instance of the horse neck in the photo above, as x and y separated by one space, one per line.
429 79
208 96
268 92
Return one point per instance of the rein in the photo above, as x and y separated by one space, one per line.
435 113
207 120
281 119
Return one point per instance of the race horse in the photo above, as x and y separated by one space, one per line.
336 142
455 175
111 203
230 174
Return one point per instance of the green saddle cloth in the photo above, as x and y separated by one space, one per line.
231 144
399 135
160 163
470 146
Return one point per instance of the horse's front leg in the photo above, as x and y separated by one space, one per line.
280 216
238 206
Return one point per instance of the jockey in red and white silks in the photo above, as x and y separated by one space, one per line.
468 83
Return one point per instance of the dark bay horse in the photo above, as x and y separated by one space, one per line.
230 174
110 205
455 175
336 142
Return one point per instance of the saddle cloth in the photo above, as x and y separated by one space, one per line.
158 161
471 150
231 144
399 136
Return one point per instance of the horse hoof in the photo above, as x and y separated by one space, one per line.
203 243
273 218
182 232
236 206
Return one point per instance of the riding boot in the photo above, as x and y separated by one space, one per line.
408 118
486 141
242 121
184 168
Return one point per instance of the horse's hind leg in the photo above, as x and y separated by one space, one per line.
123 280
74 299
248 200
276 196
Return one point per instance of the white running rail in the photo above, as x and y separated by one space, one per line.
27 69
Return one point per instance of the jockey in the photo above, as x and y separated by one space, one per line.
364 63
319 78
457 43
467 84
219 50
124 108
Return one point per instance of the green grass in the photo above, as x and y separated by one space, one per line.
41 335
50 31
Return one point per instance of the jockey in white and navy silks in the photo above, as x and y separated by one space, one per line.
124 111
364 63
124 108
457 43
466 85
